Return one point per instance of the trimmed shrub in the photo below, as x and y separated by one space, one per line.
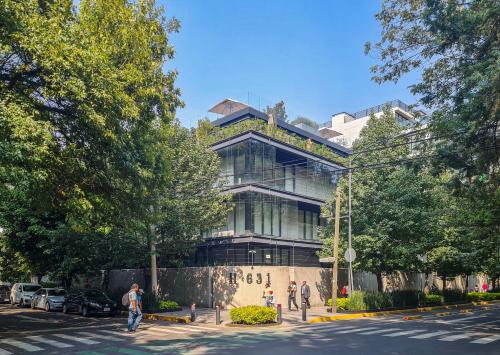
166 306
432 300
482 296
342 304
253 315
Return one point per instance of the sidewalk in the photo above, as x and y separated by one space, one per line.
207 315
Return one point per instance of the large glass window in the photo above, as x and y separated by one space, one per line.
259 163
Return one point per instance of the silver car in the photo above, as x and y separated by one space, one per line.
50 299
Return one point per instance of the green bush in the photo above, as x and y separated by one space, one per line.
253 315
406 298
165 306
356 301
482 296
342 304
377 300
432 300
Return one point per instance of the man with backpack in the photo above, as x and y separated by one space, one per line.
134 315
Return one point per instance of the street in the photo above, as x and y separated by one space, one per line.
23 331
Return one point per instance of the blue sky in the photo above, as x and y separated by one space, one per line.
308 53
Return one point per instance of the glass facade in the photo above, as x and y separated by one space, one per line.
271 216
259 163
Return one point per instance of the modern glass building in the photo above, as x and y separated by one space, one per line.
277 191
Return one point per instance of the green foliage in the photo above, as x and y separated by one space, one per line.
454 44
166 306
452 296
342 304
253 315
482 296
278 111
306 121
215 134
432 300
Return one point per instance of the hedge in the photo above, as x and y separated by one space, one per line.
168 306
253 315
342 304
432 300
482 296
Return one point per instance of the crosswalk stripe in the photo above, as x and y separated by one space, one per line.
380 331
355 330
22 345
406 332
52 342
188 329
99 336
77 339
430 335
115 332
334 329
4 352
456 337
463 319
487 340
161 330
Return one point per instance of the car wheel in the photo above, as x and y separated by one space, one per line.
65 309
85 311
32 304
47 307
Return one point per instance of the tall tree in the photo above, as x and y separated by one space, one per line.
278 111
455 46
84 103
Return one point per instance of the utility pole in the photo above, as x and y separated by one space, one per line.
349 232
152 246
336 250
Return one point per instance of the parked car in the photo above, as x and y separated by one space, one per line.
4 294
50 299
21 293
89 302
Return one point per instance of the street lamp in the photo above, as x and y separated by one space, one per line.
252 253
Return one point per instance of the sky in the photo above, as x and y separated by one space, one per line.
310 54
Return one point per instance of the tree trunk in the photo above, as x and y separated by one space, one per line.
466 283
380 285
444 282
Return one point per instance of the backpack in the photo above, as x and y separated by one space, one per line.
125 299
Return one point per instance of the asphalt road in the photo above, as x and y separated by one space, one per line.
24 331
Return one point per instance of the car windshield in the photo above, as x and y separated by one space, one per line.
31 288
95 294
56 292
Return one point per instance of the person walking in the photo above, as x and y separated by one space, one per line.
133 307
292 294
485 287
305 293
138 318
344 292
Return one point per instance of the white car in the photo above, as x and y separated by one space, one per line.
22 292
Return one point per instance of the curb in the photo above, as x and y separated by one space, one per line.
173 319
397 311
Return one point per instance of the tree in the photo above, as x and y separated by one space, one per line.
455 46
84 108
306 121
278 111
393 206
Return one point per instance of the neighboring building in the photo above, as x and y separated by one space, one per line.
277 188
344 128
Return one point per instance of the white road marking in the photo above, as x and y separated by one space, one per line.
480 324
380 331
487 340
78 339
338 328
22 345
55 343
161 330
457 336
406 332
463 319
83 327
4 352
115 332
355 330
99 336
188 329
430 335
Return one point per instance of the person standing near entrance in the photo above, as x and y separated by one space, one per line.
268 295
305 293
292 294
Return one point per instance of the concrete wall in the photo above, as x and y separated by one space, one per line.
243 285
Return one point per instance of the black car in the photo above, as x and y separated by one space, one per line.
89 302
4 294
